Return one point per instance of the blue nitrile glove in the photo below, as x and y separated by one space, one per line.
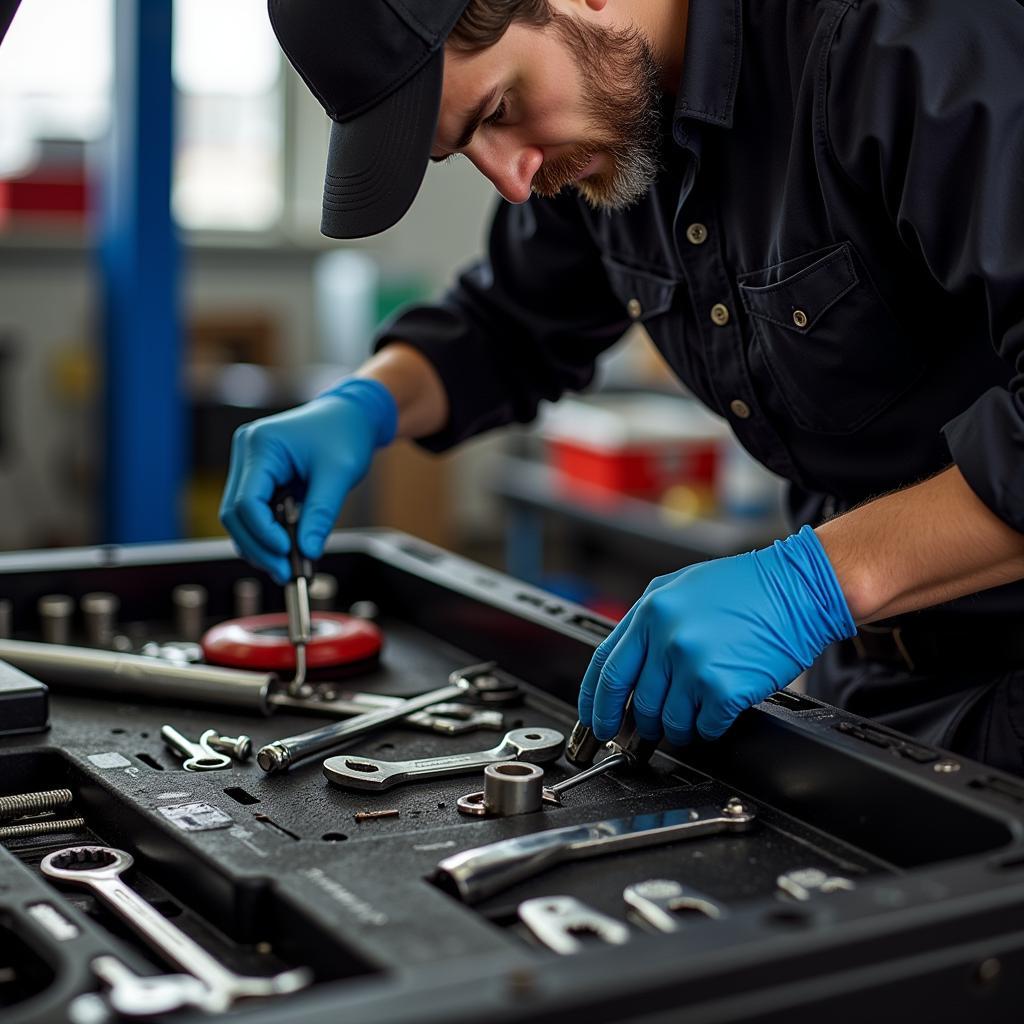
704 643
324 447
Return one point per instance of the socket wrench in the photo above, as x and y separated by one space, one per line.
473 875
366 773
100 868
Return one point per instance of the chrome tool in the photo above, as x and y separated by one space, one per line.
560 922
661 903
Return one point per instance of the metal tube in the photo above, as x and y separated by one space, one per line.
131 675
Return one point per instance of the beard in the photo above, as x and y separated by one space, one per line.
623 106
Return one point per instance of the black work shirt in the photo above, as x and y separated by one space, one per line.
832 257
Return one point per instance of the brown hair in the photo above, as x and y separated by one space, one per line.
484 22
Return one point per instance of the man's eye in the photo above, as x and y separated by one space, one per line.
499 114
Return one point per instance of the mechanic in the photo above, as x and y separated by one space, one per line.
816 209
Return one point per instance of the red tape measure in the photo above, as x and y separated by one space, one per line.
260 642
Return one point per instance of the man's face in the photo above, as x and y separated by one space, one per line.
574 103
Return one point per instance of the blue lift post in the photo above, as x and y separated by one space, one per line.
145 422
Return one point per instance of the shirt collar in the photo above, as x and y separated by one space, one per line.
711 62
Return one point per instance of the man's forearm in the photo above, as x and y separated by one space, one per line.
920 546
414 383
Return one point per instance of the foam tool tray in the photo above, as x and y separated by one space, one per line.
274 871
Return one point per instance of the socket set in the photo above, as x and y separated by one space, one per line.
415 834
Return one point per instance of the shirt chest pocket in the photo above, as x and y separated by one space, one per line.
834 352
643 294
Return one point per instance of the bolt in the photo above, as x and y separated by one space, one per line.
33 803
987 971
238 747
734 808
41 828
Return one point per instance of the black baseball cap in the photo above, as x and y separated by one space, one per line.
376 67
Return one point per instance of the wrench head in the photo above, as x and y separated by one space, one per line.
86 864
366 773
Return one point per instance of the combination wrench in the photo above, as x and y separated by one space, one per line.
133 995
367 773
99 868
475 874
446 719
477 682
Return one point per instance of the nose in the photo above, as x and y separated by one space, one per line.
509 166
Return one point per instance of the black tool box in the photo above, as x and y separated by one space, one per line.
270 872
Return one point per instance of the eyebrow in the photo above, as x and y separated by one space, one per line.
473 122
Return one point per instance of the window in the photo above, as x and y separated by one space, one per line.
55 98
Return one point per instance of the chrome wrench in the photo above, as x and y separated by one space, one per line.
559 921
99 868
133 995
366 773
476 681
475 874
447 719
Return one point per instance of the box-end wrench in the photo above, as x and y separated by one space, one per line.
99 868
661 903
475 874
367 773
476 682
560 921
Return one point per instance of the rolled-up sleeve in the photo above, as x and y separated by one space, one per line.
925 112
525 324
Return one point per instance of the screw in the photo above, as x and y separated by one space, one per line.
393 812
946 765
33 803
734 807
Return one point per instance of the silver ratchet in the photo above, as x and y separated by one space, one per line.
366 773
473 875
99 868
476 682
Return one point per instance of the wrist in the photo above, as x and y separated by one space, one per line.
810 573
375 400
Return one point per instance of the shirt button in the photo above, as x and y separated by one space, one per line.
634 309
719 314
800 318
740 409
697 234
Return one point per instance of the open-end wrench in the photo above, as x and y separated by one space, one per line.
475 874
133 995
660 903
477 682
99 868
559 922
199 757
366 773
447 719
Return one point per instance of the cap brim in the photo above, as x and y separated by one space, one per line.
376 162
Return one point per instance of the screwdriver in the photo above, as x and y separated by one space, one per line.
296 591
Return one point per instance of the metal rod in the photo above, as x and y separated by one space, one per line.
132 675
41 828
